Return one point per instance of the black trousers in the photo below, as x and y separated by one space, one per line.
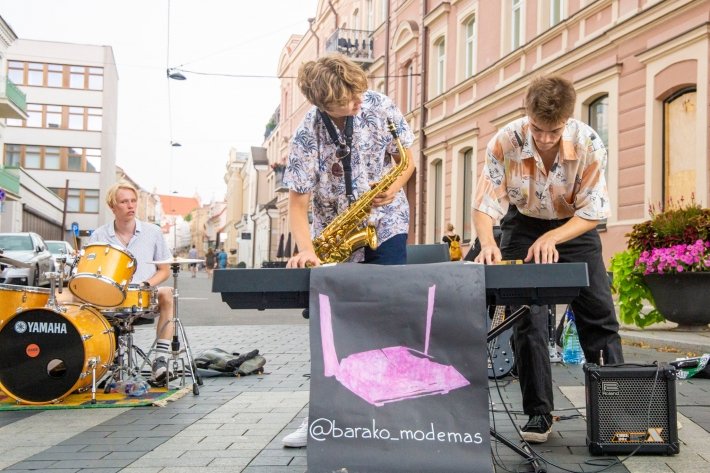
593 309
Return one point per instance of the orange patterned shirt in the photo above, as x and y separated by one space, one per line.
514 173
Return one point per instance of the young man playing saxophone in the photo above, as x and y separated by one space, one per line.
347 122
337 88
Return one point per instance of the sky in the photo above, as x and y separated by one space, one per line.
209 113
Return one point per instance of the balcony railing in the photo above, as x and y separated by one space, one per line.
10 180
279 180
356 44
13 102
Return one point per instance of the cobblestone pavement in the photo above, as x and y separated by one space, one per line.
236 424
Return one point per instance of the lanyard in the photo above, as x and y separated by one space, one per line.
347 146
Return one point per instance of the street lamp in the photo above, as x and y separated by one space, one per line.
174 74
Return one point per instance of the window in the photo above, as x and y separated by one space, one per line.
467 189
94 119
54 116
76 77
16 72
438 199
410 88
599 117
469 33
53 158
556 12
680 120
440 54
93 160
35 73
76 118
34 115
74 200
74 159
91 201
54 75
370 15
96 78
516 18
32 157
13 155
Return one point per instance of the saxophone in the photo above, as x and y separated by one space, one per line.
351 230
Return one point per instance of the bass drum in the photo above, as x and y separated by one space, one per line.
46 354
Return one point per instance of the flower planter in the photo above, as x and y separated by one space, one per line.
683 298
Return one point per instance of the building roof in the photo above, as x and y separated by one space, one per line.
175 205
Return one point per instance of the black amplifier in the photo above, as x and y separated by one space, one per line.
631 408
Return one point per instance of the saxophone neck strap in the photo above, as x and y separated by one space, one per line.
344 149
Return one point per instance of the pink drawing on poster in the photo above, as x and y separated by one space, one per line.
388 374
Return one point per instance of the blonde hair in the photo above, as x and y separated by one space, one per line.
331 80
550 99
450 227
113 190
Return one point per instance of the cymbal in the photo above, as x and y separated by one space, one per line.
13 262
178 261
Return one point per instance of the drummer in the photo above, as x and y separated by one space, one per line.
145 242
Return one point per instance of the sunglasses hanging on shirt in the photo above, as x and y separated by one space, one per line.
341 168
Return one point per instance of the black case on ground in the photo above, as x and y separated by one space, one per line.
629 407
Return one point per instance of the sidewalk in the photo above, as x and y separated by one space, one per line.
236 424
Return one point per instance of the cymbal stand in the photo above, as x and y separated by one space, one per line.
176 350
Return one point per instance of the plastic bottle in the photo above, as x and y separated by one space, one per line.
572 353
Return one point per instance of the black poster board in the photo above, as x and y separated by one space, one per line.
398 369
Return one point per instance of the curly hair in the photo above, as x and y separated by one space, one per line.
331 80
550 99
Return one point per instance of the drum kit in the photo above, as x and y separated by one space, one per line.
50 349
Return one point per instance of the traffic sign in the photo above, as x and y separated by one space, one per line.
75 228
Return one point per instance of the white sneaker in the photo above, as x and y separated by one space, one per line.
299 438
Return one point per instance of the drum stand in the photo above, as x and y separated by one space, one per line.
175 347
128 355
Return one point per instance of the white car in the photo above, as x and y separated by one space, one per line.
62 248
27 259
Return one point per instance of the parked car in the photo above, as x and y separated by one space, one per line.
29 256
62 248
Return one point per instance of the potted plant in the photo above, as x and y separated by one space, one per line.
666 263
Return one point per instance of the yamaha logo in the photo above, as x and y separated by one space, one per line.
40 327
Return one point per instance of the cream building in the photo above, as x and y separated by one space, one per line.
70 132
459 69
13 105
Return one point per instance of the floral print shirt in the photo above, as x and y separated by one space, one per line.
312 155
514 173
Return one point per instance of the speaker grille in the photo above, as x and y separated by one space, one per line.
625 405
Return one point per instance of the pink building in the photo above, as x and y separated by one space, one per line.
459 69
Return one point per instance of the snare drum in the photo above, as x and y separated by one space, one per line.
102 274
139 300
47 354
14 299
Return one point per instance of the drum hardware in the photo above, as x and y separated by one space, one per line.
179 332
127 354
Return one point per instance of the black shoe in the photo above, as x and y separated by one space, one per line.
160 370
537 429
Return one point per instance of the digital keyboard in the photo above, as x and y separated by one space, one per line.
520 284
